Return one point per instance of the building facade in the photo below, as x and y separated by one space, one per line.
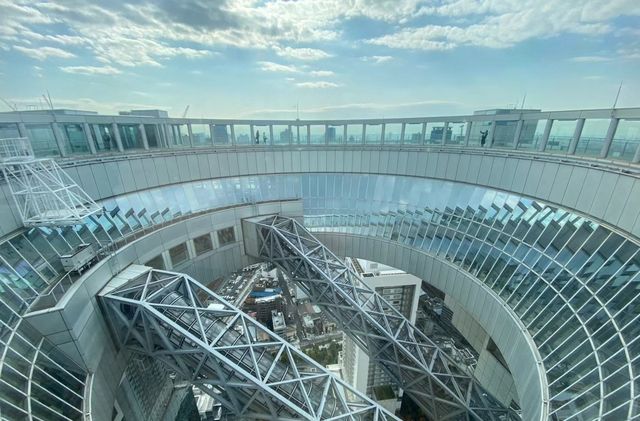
537 241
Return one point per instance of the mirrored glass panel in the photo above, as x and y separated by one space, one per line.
479 133
221 135
282 135
373 134
317 134
592 137
153 135
130 136
42 140
413 133
75 139
458 132
335 134
435 132
531 134
243 134
504 133
626 140
560 136
354 133
201 134
392 133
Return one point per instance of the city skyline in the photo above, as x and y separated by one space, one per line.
330 59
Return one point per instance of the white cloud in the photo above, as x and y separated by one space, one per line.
376 59
593 77
308 54
269 66
42 53
590 59
506 23
321 73
321 84
91 70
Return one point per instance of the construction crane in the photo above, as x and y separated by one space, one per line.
186 110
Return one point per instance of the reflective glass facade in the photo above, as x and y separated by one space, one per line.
572 282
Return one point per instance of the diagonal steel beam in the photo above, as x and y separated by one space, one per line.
442 387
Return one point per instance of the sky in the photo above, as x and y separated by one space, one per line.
325 58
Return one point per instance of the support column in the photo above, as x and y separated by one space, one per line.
613 126
467 134
143 134
308 133
298 134
384 126
326 138
270 134
190 130
364 133
404 125
516 135
545 136
252 136
490 135
58 136
344 136
168 135
423 135
116 135
444 132
22 130
232 133
576 137
636 157
89 137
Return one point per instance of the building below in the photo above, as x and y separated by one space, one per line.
401 290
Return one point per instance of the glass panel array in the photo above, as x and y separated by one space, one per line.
531 134
243 134
504 134
413 133
75 139
354 133
560 136
282 135
43 140
626 140
573 283
201 134
392 133
458 132
498 133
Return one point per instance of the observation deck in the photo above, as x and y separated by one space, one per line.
536 232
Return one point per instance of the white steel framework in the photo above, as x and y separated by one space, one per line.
443 388
43 192
254 373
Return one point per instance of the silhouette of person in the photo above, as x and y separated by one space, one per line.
483 139
257 137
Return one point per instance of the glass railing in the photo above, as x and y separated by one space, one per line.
608 134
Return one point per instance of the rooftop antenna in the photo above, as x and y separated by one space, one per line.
617 96
524 98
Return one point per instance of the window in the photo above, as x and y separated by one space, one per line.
75 137
178 254
156 263
42 140
226 236
203 244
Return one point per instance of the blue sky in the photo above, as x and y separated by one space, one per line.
334 58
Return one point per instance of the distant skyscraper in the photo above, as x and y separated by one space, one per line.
220 134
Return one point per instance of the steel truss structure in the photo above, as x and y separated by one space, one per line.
441 387
229 355
43 192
